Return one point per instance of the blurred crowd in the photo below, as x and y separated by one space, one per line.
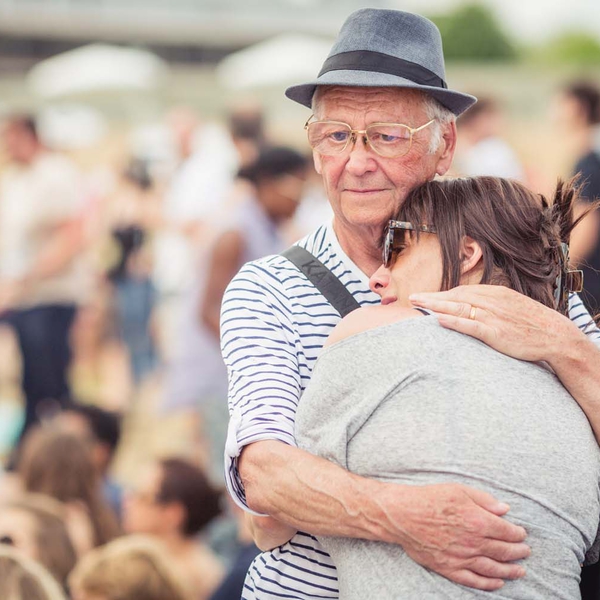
111 282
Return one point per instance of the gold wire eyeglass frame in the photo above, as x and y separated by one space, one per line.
354 133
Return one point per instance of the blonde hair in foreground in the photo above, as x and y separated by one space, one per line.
129 568
21 578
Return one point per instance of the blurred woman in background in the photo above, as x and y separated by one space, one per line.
59 465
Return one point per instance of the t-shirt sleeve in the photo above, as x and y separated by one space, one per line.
259 348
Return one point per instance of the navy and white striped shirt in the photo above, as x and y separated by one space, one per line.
273 325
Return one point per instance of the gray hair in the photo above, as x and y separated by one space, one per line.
433 109
441 115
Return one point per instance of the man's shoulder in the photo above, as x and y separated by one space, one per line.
276 269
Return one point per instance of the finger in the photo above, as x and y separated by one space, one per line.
472 580
441 306
504 552
486 501
490 568
472 327
481 296
497 528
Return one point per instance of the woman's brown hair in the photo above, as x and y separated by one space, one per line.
520 232
59 465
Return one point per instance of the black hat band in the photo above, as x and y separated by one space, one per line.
366 60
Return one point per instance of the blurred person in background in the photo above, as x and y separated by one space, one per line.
247 129
197 378
35 525
577 109
174 502
60 465
481 147
22 578
130 221
206 165
100 429
41 277
131 568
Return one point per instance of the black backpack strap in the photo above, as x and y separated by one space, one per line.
323 279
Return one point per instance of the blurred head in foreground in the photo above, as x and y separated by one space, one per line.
36 525
22 578
130 568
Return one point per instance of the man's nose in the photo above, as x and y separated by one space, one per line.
361 158
380 280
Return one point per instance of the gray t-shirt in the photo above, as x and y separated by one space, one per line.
417 404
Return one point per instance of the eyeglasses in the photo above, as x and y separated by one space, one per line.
392 229
390 140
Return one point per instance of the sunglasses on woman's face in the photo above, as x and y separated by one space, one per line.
392 232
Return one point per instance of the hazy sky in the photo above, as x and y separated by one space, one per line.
526 19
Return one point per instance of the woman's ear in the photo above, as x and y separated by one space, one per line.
471 258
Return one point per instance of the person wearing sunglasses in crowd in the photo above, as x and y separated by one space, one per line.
398 398
383 124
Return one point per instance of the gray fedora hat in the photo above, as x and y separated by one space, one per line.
386 48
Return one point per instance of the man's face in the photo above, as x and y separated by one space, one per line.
365 189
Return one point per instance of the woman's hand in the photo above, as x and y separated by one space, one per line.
506 320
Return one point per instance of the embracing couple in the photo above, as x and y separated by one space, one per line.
411 460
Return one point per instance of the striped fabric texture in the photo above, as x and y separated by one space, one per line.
273 325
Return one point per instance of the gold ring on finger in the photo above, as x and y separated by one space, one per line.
473 313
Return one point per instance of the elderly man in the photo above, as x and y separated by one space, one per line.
386 67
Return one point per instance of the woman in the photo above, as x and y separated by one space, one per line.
59 465
174 503
398 398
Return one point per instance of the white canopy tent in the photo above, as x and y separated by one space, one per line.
284 59
97 68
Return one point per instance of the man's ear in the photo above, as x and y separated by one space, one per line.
471 256
317 162
448 146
